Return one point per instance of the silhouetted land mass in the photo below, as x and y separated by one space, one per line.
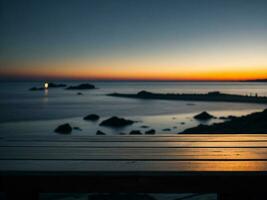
50 85
211 96
116 122
37 89
135 132
150 132
257 80
204 116
92 117
252 123
64 129
85 86
100 133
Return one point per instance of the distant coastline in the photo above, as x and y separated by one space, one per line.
211 96
256 80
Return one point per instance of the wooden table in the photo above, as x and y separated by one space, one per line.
234 166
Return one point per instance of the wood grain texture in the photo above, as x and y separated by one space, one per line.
66 153
177 153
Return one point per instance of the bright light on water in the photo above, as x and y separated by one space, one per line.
46 85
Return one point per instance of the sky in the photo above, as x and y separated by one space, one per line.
133 39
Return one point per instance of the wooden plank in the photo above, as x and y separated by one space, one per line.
54 153
140 139
253 144
227 137
82 167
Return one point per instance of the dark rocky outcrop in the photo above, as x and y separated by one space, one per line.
50 85
64 129
100 133
37 89
91 117
116 122
230 117
85 86
144 126
79 93
135 132
144 93
151 132
249 124
166 129
204 116
77 128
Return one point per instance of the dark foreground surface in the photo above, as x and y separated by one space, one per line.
232 165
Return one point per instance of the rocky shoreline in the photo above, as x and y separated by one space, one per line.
253 123
211 96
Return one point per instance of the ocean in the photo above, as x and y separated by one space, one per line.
25 112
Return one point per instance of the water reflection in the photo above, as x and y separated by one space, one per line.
45 98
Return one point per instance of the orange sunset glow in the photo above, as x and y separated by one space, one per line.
170 45
179 75
125 71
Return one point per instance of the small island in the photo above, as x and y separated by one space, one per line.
48 85
211 96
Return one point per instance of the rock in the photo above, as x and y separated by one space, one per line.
166 129
144 93
230 117
64 129
79 93
182 123
136 132
175 127
100 133
150 132
116 122
144 126
203 116
36 89
77 128
85 86
92 117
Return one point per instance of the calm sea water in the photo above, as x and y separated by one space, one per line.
26 112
